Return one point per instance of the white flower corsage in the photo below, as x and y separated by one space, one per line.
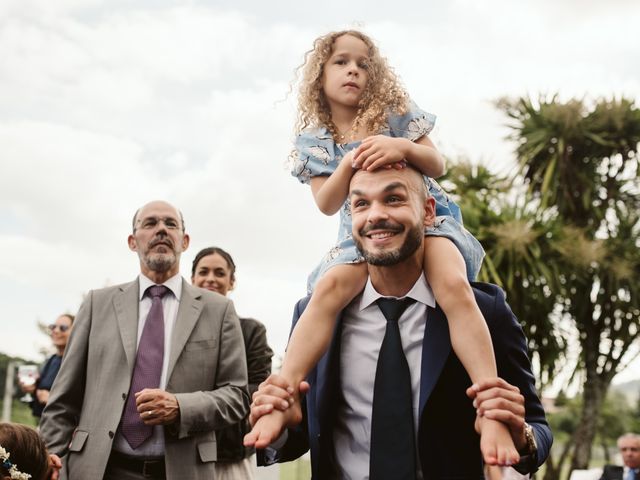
14 473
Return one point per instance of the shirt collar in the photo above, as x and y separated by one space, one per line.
420 292
174 284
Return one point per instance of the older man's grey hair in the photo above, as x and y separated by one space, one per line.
135 218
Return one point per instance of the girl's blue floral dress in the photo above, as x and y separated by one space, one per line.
318 155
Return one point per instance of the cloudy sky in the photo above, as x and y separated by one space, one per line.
105 105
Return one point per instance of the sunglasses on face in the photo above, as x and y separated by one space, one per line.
62 328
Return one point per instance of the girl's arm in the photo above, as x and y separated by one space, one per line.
380 150
331 192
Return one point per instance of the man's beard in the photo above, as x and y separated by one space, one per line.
411 243
160 262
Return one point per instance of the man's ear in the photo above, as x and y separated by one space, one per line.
133 246
185 241
429 211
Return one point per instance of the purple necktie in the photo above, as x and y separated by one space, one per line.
148 368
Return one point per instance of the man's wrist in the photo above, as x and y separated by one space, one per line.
530 446
528 453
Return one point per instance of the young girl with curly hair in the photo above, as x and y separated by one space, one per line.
354 114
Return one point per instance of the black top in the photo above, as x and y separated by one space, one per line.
229 439
48 374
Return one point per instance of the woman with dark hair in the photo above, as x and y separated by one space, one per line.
59 331
214 269
23 455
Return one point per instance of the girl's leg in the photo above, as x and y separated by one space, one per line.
309 341
445 269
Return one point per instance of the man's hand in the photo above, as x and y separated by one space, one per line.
496 399
157 407
55 465
274 392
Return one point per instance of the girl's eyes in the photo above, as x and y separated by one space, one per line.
342 61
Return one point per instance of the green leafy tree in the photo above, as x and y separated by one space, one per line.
615 417
518 241
579 162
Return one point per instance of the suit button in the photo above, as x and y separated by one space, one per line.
111 434
124 396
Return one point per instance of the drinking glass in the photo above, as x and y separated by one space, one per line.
27 374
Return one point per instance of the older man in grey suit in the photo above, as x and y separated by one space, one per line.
152 369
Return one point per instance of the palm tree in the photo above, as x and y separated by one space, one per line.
518 241
579 161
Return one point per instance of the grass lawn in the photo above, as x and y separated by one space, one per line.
297 470
21 413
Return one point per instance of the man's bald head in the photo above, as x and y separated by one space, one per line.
156 203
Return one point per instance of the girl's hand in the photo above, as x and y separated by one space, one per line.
379 151
348 158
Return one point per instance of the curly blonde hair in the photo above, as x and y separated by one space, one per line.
383 93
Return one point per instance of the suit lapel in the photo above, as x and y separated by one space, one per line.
126 302
436 347
188 315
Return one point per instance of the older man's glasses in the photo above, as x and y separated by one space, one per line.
62 328
150 223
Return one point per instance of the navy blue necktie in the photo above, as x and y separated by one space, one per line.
393 451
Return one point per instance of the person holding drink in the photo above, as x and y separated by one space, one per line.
39 389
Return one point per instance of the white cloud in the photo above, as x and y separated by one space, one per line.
106 105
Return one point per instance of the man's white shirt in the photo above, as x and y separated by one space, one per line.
363 329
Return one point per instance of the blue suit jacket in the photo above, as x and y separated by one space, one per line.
448 445
612 472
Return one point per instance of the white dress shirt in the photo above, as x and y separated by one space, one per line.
154 446
363 329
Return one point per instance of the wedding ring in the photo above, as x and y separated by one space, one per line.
149 413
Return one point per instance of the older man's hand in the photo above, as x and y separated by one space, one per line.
157 407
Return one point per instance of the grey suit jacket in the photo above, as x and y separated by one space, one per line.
207 373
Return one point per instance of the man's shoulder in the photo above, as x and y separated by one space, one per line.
204 295
112 289
489 295
251 323
612 471
490 289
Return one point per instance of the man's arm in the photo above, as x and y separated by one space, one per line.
61 414
228 402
